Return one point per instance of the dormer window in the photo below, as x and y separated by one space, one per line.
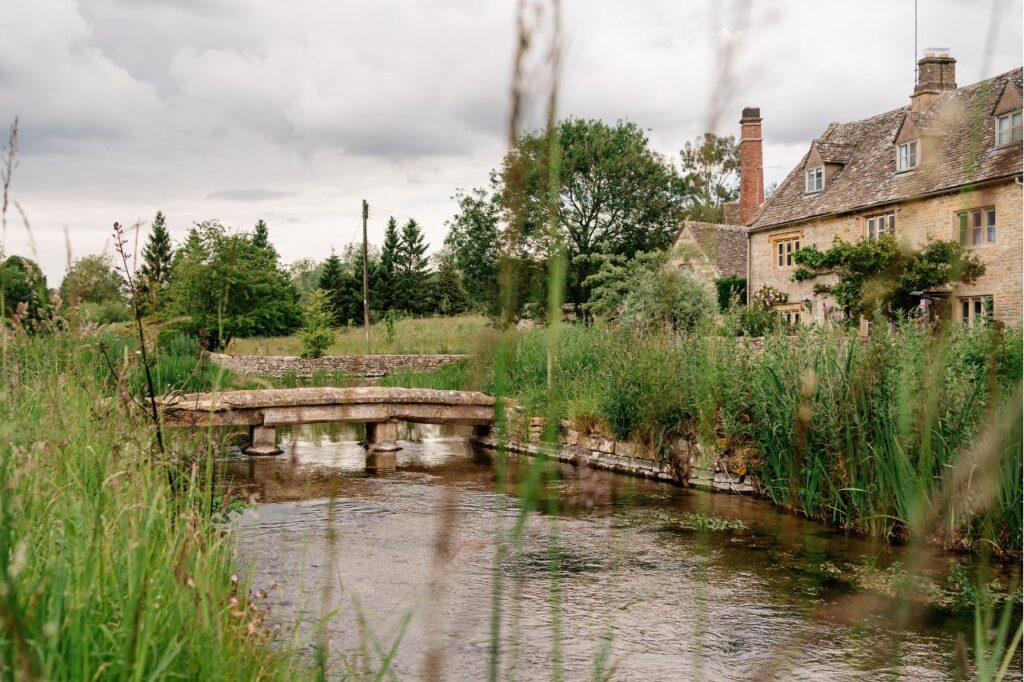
906 156
1008 128
814 180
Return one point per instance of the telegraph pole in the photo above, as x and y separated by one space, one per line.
366 279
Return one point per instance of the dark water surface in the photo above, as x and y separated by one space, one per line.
620 571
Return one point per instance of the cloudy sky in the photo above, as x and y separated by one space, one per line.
295 111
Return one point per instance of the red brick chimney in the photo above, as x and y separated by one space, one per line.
751 164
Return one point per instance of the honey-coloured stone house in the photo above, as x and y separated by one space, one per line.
946 166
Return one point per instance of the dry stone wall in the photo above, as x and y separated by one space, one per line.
687 464
367 366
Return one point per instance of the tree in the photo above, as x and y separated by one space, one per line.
450 298
316 334
711 165
473 242
92 279
591 189
23 287
230 286
389 257
305 275
879 273
644 295
411 292
261 235
156 254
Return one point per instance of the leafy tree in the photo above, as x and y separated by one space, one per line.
411 292
305 275
879 273
601 188
450 298
316 334
92 279
473 242
230 286
644 295
711 165
389 258
23 287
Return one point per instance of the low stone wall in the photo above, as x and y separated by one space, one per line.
368 366
687 464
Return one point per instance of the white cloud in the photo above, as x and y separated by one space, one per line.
294 114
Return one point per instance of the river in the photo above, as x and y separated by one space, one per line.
627 579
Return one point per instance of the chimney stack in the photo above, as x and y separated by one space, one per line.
936 72
751 164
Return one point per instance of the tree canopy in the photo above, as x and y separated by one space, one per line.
23 286
711 166
600 186
231 285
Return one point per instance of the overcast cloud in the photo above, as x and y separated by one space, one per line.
294 112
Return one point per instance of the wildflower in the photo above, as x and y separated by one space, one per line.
234 579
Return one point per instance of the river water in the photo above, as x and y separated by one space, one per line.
629 579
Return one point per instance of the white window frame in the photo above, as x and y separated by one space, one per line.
976 227
1009 128
783 252
814 180
972 309
880 224
907 156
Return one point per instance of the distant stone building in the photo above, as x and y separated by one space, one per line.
947 166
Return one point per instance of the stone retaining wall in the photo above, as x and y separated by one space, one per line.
687 464
369 366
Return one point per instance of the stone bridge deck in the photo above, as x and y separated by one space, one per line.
380 408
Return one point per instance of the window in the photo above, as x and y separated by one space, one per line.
906 156
784 250
977 226
976 310
790 313
1008 128
881 224
815 180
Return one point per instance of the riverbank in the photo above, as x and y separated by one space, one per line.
114 562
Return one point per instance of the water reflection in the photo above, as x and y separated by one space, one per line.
631 574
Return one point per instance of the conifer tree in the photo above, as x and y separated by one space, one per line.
412 293
331 282
156 255
261 235
449 296
389 257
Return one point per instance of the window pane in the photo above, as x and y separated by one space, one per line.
976 236
892 221
991 220
977 307
871 228
962 219
976 218
965 310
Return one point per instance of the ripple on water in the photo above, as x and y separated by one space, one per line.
731 604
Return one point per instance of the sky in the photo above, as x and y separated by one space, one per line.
294 112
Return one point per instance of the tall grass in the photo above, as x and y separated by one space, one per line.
860 433
106 570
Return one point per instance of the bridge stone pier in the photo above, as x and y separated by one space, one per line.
379 408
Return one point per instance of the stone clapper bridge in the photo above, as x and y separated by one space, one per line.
379 408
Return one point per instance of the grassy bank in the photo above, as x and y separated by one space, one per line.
460 335
112 563
895 435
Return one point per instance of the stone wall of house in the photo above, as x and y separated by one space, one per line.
368 366
916 222
686 463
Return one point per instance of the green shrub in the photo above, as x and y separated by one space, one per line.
316 334
731 290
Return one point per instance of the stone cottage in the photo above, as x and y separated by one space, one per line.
946 166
